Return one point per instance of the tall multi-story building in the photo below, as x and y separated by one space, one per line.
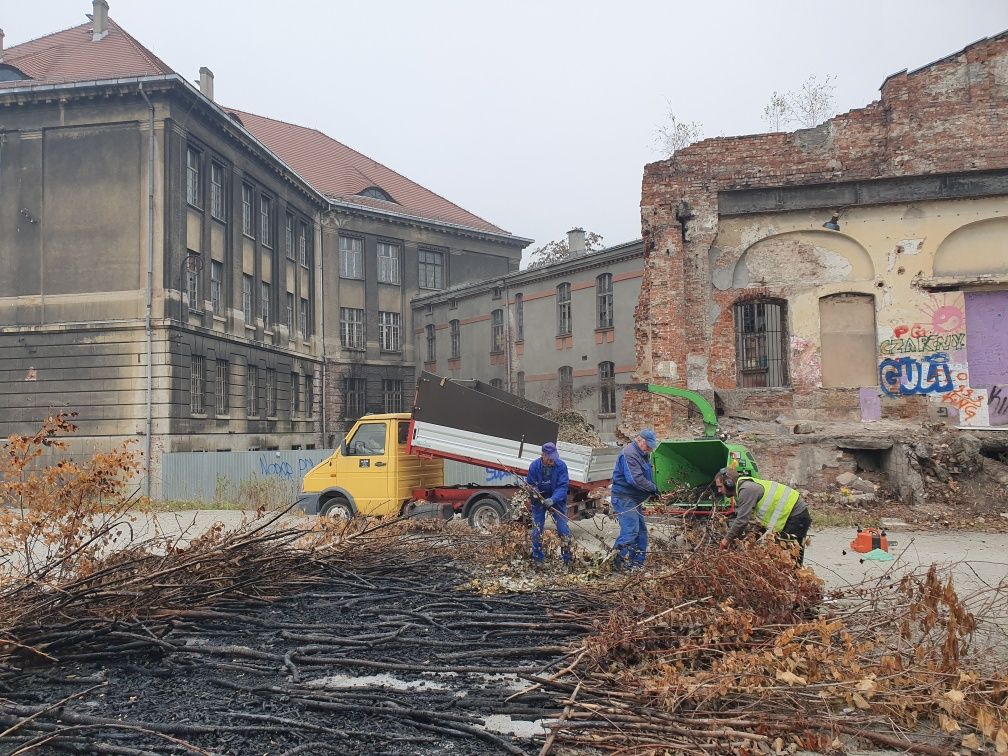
164 260
561 335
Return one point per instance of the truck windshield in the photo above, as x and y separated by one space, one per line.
369 440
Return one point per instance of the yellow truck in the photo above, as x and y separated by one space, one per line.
388 463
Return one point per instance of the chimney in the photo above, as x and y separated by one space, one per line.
206 82
100 20
576 242
1 45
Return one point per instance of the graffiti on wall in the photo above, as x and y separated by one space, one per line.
997 405
910 376
920 340
283 469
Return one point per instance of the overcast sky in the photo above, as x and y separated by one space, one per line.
537 115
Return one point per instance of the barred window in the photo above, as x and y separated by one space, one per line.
603 294
265 302
456 340
566 381
309 390
392 395
193 289
388 331
304 319
761 344
216 287
607 388
223 387
352 327
194 186
354 397
519 303
563 298
295 385
351 257
388 263
247 298
431 269
248 202
217 193
251 390
266 217
431 344
197 373
497 331
271 395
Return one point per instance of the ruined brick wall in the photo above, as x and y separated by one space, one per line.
948 117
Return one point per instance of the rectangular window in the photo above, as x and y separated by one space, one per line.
264 293
289 237
354 396
194 193
456 340
309 392
563 299
295 385
761 344
251 390
566 380
217 287
431 344
351 257
271 396
266 218
351 328
388 331
303 244
248 219
520 384
388 263
607 388
304 319
223 401
431 269
193 289
247 298
497 331
217 194
197 372
392 391
497 383
603 294
290 315
519 317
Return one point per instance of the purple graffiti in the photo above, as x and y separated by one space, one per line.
997 405
907 376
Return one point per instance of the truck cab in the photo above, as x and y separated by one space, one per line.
372 472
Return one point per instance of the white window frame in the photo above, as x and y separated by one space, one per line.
388 263
264 303
389 331
217 287
247 283
266 220
304 319
194 176
563 300
352 333
248 211
455 329
497 331
604 301
217 190
351 257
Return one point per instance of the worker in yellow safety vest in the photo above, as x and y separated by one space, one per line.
778 508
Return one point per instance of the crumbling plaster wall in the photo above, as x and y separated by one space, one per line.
947 117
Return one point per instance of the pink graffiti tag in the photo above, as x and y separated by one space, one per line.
947 319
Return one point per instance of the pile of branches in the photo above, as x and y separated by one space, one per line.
574 428
716 651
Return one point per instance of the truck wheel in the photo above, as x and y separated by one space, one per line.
485 515
337 507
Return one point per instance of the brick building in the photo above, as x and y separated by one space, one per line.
854 271
561 335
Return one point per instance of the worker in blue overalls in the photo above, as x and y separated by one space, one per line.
632 484
548 476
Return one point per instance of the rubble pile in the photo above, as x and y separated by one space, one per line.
574 429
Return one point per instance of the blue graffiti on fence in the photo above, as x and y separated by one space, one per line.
906 376
492 475
283 469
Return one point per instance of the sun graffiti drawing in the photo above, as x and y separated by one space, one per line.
945 314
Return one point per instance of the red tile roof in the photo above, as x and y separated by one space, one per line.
71 55
332 168
342 173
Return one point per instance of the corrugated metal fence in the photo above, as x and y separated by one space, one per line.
253 478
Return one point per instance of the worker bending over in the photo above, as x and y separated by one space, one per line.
548 476
632 484
778 508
